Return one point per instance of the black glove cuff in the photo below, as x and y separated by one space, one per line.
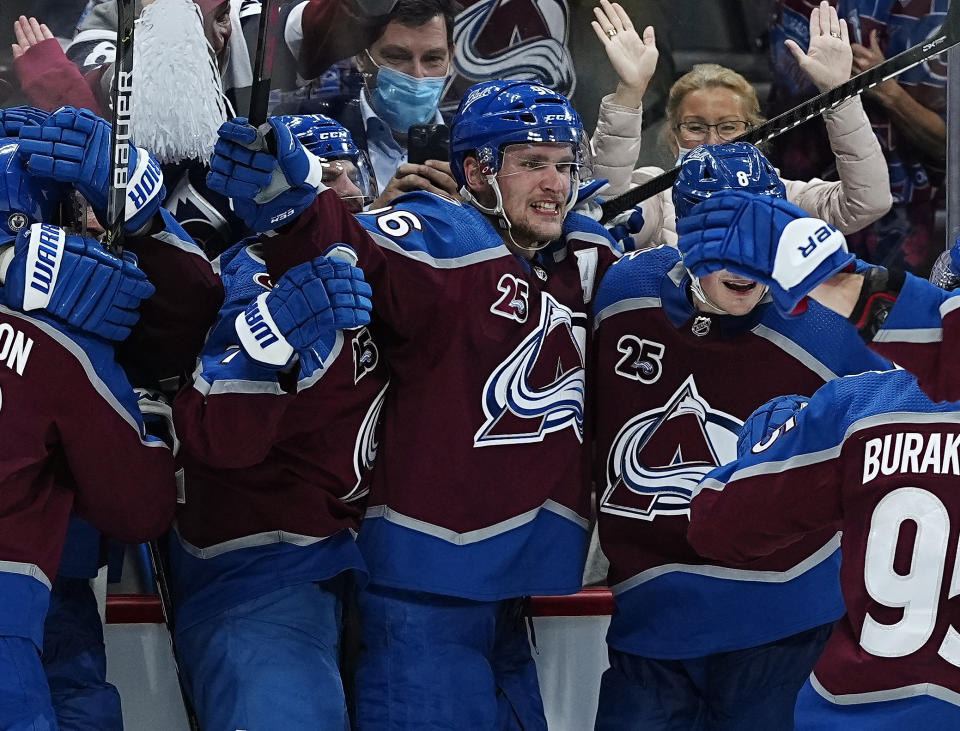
879 292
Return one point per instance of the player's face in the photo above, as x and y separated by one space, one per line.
535 182
340 175
733 293
217 28
419 51
711 105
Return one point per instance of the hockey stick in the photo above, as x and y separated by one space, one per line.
263 62
120 135
157 565
947 37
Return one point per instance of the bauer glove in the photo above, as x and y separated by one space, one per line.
767 239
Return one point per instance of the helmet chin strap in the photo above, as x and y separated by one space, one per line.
699 294
497 211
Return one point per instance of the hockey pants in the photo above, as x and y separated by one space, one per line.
434 662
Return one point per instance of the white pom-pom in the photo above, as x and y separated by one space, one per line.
177 102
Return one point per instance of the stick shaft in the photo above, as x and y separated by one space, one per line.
120 135
263 62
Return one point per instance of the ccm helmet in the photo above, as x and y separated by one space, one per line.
329 140
708 169
493 114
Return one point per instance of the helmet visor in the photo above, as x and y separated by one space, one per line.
351 177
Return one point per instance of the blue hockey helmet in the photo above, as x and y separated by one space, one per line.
708 169
324 137
24 199
493 114
329 140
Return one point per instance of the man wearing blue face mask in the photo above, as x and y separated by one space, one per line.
405 70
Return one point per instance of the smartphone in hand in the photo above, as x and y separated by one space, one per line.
428 142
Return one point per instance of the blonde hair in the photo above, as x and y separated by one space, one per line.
709 75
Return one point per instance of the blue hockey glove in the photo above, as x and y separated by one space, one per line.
766 239
267 190
303 313
73 146
12 120
75 280
626 226
755 433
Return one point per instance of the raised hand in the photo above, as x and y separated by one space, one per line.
12 120
632 57
268 189
29 32
73 146
829 58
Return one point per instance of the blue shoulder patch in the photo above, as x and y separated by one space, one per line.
828 337
433 228
845 401
637 274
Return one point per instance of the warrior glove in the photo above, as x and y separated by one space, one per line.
12 120
761 424
75 280
303 313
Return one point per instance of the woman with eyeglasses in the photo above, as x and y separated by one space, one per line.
712 104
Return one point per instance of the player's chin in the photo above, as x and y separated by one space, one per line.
545 230
740 305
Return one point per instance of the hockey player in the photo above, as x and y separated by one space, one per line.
76 439
680 361
277 458
480 494
873 457
346 168
68 153
901 316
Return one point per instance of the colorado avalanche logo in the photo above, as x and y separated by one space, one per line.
365 448
539 388
512 39
660 456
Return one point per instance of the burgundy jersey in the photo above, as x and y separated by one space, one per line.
673 388
74 440
174 320
480 488
872 456
276 467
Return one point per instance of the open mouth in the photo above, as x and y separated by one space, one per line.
546 208
739 286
